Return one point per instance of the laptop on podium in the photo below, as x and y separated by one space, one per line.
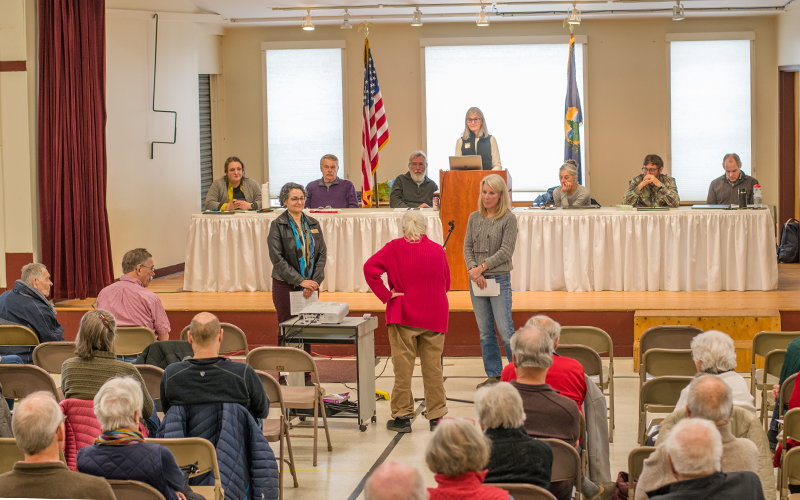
470 162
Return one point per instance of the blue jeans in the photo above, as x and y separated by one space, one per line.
491 310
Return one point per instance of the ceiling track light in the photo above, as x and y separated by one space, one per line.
308 25
574 16
346 23
677 12
481 19
416 20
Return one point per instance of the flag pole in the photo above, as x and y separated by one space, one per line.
375 189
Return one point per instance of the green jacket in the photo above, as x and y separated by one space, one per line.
651 196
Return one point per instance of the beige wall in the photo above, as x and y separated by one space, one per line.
789 36
626 100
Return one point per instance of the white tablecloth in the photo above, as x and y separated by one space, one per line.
229 253
605 249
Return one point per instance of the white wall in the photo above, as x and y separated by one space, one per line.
789 36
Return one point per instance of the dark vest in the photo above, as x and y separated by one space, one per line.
484 149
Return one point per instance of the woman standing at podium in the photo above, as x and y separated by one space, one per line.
488 250
476 141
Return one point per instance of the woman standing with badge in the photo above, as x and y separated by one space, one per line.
476 140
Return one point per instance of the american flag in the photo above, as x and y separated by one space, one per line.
374 130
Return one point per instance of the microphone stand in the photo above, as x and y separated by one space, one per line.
452 225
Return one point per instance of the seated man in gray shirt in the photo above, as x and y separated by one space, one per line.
413 189
724 190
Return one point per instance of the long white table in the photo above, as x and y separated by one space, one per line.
229 253
573 250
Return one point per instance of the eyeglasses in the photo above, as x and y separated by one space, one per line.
473 120
296 200
650 170
152 269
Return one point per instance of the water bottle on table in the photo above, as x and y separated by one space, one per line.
757 196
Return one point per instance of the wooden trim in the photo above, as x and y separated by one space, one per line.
786 146
13 66
791 68
166 271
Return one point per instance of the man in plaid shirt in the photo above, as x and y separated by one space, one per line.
652 188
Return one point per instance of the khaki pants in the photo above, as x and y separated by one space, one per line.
405 341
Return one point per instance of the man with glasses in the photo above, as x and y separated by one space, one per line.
129 300
330 190
413 189
652 188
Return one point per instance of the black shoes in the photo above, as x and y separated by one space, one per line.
400 424
434 422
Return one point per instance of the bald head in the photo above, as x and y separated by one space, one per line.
532 348
547 325
205 329
395 481
710 398
35 423
694 448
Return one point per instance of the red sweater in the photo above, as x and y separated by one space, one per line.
420 271
566 376
468 485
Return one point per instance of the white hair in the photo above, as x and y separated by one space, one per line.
715 350
413 224
499 406
710 398
395 481
570 168
547 325
457 447
117 401
695 447
35 422
34 270
532 348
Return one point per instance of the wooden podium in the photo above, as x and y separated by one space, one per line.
459 191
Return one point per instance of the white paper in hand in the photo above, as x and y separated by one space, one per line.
492 289
298 302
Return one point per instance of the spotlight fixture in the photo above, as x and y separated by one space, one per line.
574 16
677 11
346 23
308 25
417 19
481 18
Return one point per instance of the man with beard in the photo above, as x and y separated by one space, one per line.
413 189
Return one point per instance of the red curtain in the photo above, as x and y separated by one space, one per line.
76 247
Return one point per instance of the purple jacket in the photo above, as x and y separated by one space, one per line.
341 194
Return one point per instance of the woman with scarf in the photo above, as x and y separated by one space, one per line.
120 452
476 140
297 251
234 191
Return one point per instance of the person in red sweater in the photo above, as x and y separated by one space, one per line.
417 312
565 375
458 454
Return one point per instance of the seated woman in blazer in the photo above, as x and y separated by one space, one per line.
234 191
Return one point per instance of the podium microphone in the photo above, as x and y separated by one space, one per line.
452 225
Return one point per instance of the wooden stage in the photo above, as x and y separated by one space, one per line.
614 312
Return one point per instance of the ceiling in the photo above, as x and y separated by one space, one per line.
330 12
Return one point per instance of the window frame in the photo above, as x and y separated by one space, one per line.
301 45
513 40
712 37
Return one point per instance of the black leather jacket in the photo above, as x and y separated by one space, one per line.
284 254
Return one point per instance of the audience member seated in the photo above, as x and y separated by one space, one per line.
709 398
129 300
330 190
694 451
724 190
39 432
83 376
413 189
120 451
713 352
565 374
652 188
458 453
395 481
791 365
570 193
209 377
515 456
234 191
26 304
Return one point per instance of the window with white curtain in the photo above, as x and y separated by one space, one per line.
710 111
305 113
521 90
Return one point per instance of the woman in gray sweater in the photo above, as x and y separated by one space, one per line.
570 193
488 250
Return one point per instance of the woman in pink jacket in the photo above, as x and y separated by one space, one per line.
416 313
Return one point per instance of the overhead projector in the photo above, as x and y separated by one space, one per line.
324 313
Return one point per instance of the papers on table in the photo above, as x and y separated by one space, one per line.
492 289
298 302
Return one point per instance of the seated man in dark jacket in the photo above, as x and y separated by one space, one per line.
26 304
209 377
694 451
